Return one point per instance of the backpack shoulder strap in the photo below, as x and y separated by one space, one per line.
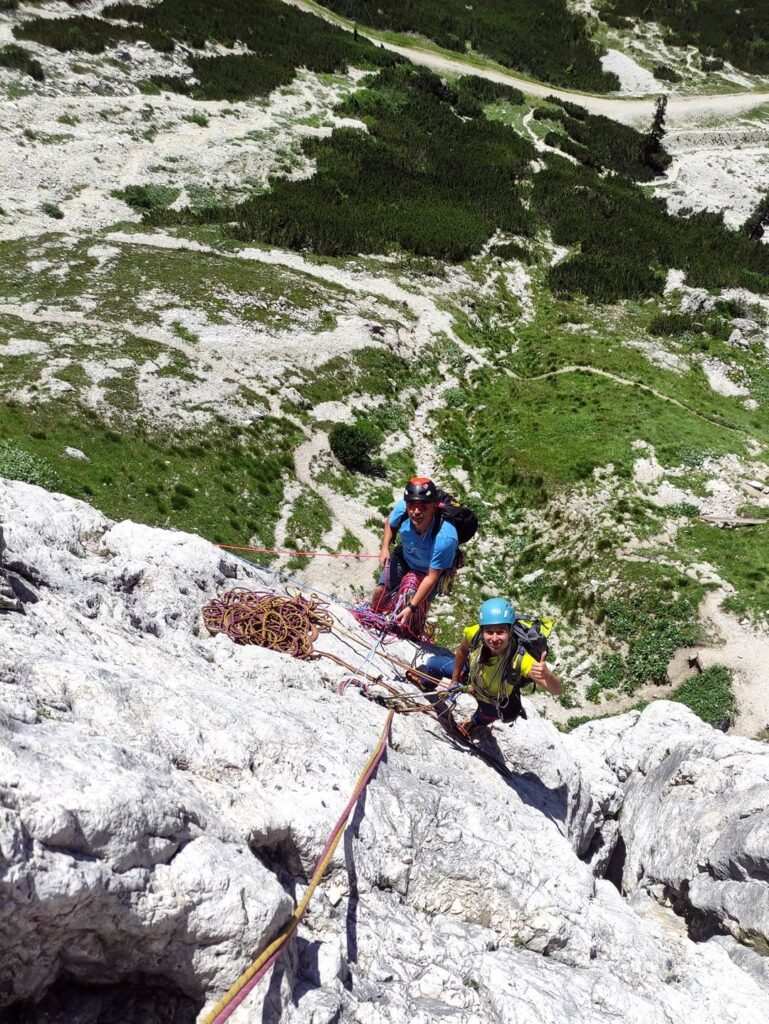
437 522
401 520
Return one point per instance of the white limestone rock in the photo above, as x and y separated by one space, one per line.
165 794
695 817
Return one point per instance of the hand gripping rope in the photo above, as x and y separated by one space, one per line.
254 974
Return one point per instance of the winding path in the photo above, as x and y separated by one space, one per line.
628 111
743 649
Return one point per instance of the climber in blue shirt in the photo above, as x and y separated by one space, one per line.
428 548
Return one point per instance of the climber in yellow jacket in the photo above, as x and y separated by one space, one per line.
491 667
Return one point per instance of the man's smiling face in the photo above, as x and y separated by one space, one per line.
421 514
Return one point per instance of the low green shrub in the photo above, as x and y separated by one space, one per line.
673 325
712 63
147 198
52 210
710 696
18 464
19 59
355 444
664 73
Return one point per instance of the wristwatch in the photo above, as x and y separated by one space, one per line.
413 607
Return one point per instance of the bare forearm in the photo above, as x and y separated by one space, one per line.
551 683
460 658
424 588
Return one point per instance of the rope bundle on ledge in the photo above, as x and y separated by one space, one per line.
287 624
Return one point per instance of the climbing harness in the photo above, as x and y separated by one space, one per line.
390 605
288 624
254 974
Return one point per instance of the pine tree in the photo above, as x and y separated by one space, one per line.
652 151
758 221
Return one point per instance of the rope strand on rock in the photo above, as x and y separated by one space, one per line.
254 974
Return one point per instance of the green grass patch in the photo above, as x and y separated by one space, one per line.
710 696
367 371
350 542
740 556
657 615
225 484
310 519
215 285
18 464
554 432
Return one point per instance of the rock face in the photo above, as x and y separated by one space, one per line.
694 820
164 795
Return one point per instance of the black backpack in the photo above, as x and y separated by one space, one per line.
462 518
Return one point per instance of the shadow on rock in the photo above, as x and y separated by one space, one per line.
137 1001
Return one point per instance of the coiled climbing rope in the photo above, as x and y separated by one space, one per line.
287 624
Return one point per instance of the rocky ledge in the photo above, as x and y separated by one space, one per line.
164 795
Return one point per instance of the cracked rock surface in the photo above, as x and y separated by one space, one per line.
164 795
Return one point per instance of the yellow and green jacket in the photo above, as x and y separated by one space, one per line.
485 681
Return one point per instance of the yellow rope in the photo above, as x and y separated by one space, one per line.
224 1007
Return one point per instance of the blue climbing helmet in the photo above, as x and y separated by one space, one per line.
497 611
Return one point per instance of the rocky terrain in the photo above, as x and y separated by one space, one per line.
567 326
165 793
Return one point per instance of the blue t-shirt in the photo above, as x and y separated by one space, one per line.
424 551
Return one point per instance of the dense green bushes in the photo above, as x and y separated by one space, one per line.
280 38
19 59
602 215
355 445
437 184
420 178
757 223
484 91
598 141
92 35
664 73
738 34
543 38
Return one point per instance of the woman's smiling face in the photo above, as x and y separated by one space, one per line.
496 638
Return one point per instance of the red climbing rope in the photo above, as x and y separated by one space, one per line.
289 551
